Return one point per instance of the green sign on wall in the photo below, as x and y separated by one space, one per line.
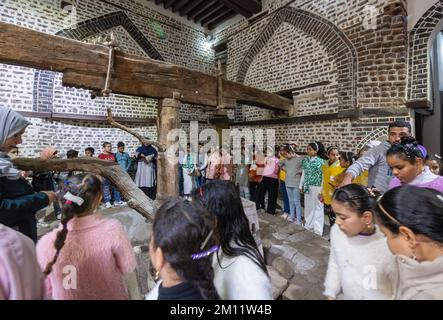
158 29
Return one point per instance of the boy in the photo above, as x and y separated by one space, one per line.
107 186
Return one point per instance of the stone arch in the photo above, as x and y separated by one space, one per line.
44 80
376 134
420 39
334 40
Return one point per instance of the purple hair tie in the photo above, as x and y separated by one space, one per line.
423 150
200 255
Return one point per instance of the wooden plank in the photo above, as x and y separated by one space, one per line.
234 5
84 66
190 5
215 15
228 15
208 12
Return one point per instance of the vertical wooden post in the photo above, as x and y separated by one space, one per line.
168 119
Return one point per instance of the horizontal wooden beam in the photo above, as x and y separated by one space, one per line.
84 66
85 117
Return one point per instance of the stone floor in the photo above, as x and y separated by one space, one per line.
296 258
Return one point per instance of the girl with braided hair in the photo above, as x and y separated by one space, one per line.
182 242
88 256
360 264
407 160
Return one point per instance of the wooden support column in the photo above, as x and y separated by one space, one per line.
167 170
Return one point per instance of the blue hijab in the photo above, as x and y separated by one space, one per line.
147 150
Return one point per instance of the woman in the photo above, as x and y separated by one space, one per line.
146 175
18 201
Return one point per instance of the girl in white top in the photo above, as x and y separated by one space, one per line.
360 263
239 268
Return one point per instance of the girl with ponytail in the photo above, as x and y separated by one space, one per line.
310 185
181 248
87 257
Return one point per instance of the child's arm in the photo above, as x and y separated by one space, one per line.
302 181
333 276
122 249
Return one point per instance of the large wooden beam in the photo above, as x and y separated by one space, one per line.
168 119
84 66
137 200
245 7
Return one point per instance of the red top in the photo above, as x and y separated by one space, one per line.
109 157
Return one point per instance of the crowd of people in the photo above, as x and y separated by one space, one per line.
384 205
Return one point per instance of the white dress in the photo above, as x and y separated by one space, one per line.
145 175
362 267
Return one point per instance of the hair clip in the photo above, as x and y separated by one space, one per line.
200 255
439 197
72 198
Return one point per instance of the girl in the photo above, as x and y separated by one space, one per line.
360 264
407 162
269 182
293 167
310 185
214 161
241 176
18 201
282 180
96 249
182 242
412 220
433 162
189 169
347 158
46 181
330 170
240 270
146 174
255 172
20 274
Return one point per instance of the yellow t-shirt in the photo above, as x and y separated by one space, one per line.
362 179
282 175
329 183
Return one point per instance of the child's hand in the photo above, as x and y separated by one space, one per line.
320 197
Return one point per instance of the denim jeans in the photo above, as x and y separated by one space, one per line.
108 187
294 203
284 195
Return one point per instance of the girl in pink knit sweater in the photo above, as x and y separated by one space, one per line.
88 256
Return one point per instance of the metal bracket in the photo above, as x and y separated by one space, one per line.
112 45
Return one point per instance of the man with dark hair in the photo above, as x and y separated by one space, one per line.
375 159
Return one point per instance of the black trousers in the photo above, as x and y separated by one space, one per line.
150 192
253 187
270 186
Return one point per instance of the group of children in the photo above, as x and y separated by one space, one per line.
382 246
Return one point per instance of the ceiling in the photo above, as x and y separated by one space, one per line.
211 13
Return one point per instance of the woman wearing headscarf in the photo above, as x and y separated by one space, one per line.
146 175
18 200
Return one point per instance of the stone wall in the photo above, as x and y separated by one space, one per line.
138 29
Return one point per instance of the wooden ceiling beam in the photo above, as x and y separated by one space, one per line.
238 8
197 10
214 16
223 18
168 3
208 12
178 5
192 4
